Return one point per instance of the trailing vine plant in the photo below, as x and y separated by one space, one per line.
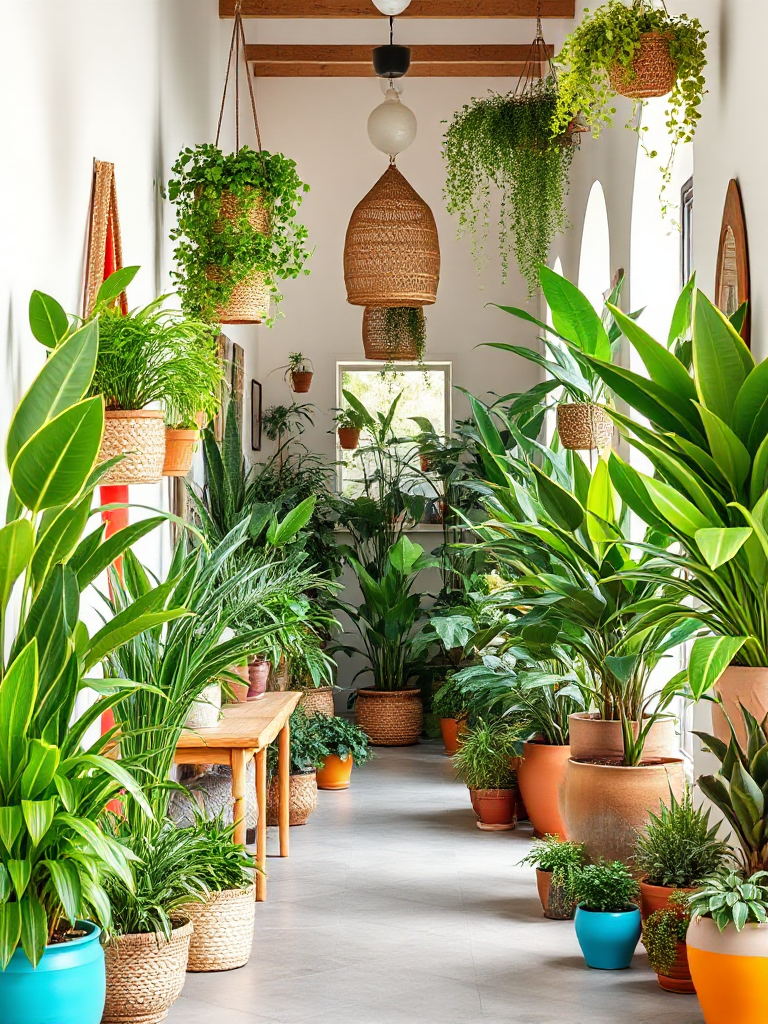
610 37
504 143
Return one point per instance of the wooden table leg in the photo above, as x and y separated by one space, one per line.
261 826
238 760
284 787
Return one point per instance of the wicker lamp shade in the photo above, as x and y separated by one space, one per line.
392 252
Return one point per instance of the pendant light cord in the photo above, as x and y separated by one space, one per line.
236 45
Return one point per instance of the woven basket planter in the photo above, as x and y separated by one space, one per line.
139 434
223 934
583 426
390 718
318 701
145 975
179 448
653 73
249 301
392 252
379 344
303 799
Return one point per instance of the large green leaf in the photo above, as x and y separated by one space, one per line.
573 315
750 410
601 504
718 362
116 283
42 762
47 319
16 541
62 382
91 559
680 326
676 509
11 824
729 453
115 633
719 546
17 702
10 932
54 464
663 368
632 490
66 881
38 816
57 537
710 657
281 533
34 928
485 425
559 505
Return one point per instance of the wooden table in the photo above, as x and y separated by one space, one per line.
245 731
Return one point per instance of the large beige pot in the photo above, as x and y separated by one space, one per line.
593 736
390 718
604 805
737 686
145 975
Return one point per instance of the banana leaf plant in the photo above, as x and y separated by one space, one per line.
53 788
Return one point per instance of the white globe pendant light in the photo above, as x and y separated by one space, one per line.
391 7
392 125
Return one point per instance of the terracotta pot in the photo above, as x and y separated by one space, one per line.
655 897
678 977
592 736
302 799
335 773
390 718
495 809
240 690
553 908
604 805
450 728
179 448
258 676
425 463
729 970
540 777
737 686
349 438
301 381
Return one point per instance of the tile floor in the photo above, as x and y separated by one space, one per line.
395 909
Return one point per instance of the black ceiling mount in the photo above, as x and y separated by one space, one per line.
391 61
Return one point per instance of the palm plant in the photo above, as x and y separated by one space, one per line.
484 759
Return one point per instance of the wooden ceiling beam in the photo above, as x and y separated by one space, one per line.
417 9
278 60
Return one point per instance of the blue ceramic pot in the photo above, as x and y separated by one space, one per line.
66 987
608 940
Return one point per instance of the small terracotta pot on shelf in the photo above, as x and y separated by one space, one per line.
349 438
301 381
258 675
495 809
179 450
335 773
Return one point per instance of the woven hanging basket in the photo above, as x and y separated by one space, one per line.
138 434
653 72
145 975
583 426
318 701
179 448
223 933
303 799
390 718
387 341
249 301
392 252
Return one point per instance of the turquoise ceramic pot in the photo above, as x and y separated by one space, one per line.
66 987
608 940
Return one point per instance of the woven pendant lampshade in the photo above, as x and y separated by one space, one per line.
391 252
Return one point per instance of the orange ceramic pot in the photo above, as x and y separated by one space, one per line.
301 381
179 449
605 805
554 908
540 776
449 728
737 686
655 897
335 773
495 809
592 736
349 438
730 971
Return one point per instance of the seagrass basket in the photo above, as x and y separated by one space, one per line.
583 426
391 251
139 434
249 301
223 930
145 975
653 71
318 701
303 799
389 341
390 718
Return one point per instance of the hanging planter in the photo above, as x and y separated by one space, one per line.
583 426
397 333
180 448
391 251
300 373
237 232
651 74
504 144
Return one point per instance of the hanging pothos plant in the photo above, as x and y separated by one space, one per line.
237 214
505 143
604 56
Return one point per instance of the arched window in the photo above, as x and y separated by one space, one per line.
595 258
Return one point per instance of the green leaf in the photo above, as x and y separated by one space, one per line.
115 633
681 318
5 883
486 427
559 505
104 554
281 533
34 928
66 881
718 362
710 657
58 535
20 872
11 824
757 484
10 932
116 283
663 368
601 503
47 320
404 555
750 410
631 489
674 508
731 456
719 546
62 383
16 542
54 464
38 815
17 701
42 762
573 315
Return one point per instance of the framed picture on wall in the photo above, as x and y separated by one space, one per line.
255 416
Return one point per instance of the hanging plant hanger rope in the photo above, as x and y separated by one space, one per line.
236 46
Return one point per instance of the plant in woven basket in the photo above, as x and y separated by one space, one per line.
600 56
607 887
223 864
341 737
678 848
484 760
404 328
216 196
504 143
564 860
665 929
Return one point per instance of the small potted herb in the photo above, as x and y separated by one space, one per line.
344 746
607 918
307 755
557 868
299 372
349 424
485 762
664 940
449 704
